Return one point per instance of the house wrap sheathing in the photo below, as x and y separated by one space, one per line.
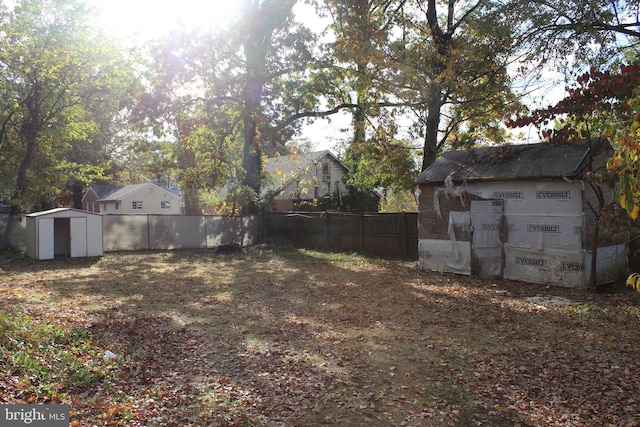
519 212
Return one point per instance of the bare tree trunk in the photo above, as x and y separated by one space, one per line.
264 17
252 152
434 105
444 45
597 211
29 132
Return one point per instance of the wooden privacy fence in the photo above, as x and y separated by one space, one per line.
393 234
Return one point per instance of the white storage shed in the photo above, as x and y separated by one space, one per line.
66 232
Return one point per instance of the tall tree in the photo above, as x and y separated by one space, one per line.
363 30
228 94
451 71
57 84
444 62
261 21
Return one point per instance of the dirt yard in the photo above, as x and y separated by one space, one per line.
288 337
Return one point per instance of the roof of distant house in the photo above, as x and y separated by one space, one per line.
122 192
106 192
103 190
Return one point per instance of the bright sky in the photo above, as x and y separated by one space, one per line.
147 19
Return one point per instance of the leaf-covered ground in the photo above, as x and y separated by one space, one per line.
288 337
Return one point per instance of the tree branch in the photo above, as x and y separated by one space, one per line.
335 110
306 114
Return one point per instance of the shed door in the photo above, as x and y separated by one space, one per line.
78 236
45 238
487 217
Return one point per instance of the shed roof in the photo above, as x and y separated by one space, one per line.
518 162
58 211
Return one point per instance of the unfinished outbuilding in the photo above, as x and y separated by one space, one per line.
521 212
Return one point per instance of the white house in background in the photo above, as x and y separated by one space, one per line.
147 198
304 176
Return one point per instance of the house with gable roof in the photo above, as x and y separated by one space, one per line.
300 181
147 198
303 176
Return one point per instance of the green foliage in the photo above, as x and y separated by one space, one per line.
61 87
229 96
381 161
215 102
354 201
399 201
357 81
47 359
451 73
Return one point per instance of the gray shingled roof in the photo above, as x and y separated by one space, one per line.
517 162
102 190
121 192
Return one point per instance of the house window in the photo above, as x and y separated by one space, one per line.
136 205
326 172
117 205
165 205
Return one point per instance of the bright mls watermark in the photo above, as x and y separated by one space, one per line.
34 415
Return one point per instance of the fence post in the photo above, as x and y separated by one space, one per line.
294 228
206 236
327 234
405 235
148 232
362 232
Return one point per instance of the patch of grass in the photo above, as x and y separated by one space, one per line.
47 359
11 258
343 259
585 309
